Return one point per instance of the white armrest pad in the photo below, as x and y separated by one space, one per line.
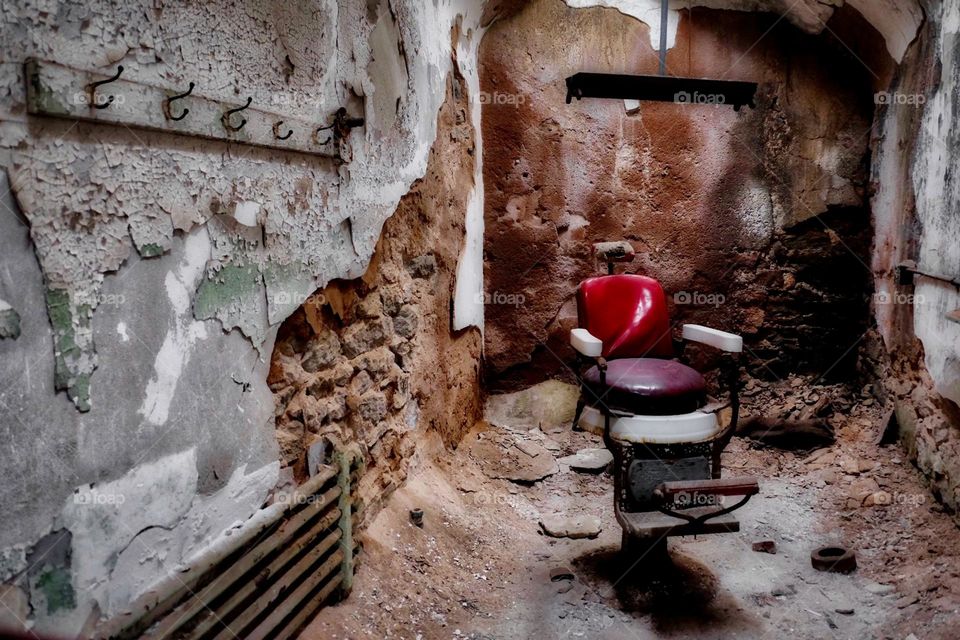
585 343
713 337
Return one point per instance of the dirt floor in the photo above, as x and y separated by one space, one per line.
480 567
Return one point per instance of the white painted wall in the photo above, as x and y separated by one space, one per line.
937 191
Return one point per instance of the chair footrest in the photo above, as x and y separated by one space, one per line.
654 524
712 487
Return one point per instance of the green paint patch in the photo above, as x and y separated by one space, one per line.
57 589
40 97
9 324
73 346
150 250
226 290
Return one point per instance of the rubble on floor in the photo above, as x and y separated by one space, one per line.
573 527
482 567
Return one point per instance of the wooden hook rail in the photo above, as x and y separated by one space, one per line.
58 91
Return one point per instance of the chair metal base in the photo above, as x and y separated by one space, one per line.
654 525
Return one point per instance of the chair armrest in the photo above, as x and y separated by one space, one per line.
585 343
712 337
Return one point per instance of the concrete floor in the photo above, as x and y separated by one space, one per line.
480 566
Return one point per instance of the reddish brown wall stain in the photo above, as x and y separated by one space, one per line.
703 193
374 361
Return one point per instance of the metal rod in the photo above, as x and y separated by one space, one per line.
904 272
664 13
938 276
344 461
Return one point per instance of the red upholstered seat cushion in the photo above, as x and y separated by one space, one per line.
647 386
628 313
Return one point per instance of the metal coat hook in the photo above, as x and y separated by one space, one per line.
177 97
226 117
92 87
329 138
342 124
276 131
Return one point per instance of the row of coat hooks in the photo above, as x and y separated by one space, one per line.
49 86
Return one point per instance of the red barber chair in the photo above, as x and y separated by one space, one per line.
649 407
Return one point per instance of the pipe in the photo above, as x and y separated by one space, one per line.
664 15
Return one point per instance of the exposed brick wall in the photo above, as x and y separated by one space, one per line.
374 360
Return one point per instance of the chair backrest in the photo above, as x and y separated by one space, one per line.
628 313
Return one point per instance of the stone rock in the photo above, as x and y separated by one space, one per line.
369 307
860 489
290 439
322 385
906 601
372 407
361 383
322 353
365 335
850 465
543 405
878 498
765 546
313 414
336 406
284 370
377 362
829 476
508 461
402 393
393 297
532 449
423 266
560 526
406 321
787 434
316 453
592 460
342 373
879 589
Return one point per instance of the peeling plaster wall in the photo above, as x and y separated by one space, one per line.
714 201
917 349
150 272
937 189
376 362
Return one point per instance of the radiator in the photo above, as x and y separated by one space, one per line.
268 578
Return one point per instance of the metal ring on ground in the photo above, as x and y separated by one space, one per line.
835 559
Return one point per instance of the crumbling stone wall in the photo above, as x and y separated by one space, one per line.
375 360
915 350
747 219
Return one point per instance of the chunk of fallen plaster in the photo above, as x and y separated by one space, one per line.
589 460
560 526
517 461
